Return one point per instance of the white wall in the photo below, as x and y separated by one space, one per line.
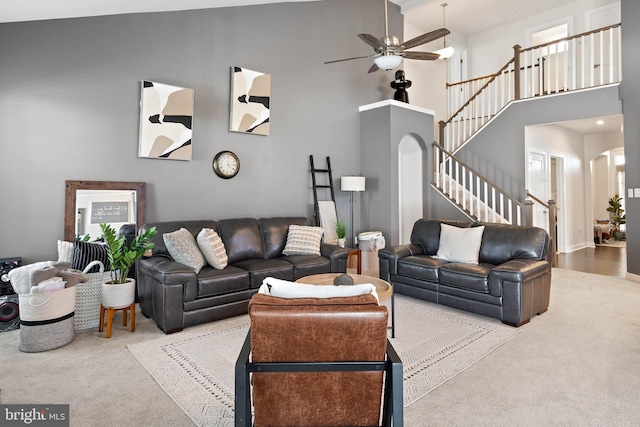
598 144
557 141
491 49
429 78
410 173
581 189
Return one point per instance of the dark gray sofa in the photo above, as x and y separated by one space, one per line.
176 297
511 282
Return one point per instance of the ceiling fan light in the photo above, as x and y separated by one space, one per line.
446 52
388 62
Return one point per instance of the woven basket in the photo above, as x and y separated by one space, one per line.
46 320
89 296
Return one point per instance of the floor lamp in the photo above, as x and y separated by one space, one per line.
352 184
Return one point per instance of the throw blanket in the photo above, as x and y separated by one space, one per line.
327 211
285 289
20 277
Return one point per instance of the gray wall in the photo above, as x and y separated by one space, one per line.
69 109
381 131
630 94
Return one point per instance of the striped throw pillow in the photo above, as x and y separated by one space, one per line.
86 252
212 248
303 240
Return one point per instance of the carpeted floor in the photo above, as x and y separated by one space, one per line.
576 365
435 343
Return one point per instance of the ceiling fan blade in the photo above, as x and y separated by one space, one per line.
373 69
425 56
426 38
346 59
372 41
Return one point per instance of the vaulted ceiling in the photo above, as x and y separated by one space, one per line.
465 17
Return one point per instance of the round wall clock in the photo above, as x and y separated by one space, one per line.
226 164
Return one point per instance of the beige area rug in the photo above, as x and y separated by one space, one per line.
196 366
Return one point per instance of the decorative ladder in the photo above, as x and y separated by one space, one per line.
325 175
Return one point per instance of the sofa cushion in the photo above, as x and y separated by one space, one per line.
422 267
274 233
504 242
213 282
260 269
306 265
426 233
303 240
183 248
212 248
242 238
460 244
474 277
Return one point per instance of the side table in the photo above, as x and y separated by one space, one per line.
355 253
111 311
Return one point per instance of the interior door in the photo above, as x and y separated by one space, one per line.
539 187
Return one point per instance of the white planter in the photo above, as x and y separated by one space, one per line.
342 242
119 295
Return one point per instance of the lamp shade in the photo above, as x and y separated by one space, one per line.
446 52
352 183
388 62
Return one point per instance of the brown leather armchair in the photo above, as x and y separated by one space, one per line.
318 362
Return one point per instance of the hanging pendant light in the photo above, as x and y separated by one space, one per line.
446 51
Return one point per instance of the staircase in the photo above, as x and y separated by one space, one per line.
573 63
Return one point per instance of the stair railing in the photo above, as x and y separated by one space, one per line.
581 61
493 95
552 210
478 197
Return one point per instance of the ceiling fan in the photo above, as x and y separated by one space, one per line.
389 51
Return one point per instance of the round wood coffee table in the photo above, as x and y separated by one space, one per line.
383 288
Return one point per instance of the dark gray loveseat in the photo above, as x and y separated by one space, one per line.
511 282
176 297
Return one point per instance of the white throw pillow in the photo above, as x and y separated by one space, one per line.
285 289
212 248
460 244
183 249
303 240
65 251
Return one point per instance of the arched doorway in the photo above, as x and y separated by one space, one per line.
411 157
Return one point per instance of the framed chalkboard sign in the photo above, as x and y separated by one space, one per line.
110 212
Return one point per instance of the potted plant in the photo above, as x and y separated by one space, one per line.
617 216
120 291
341 232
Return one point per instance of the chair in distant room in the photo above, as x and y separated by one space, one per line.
318 362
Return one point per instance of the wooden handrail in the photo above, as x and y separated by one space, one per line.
599 30
531 196
535 47
471 80
480 90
